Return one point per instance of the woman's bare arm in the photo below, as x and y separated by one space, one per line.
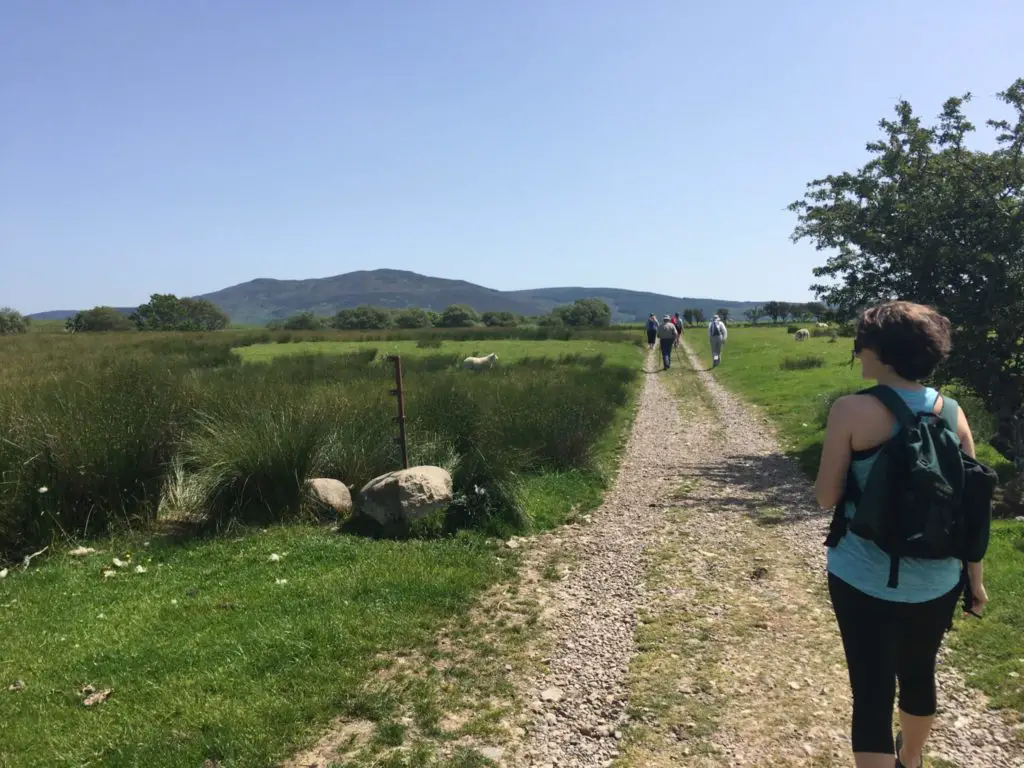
835 455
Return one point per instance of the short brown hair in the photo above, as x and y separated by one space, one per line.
910 338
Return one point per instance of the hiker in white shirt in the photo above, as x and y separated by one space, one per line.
717 334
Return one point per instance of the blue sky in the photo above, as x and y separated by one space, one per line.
189 145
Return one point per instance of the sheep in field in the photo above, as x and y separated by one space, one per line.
480 363
802 335
823 325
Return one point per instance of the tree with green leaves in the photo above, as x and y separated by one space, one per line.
723 313
99 319
459 316
166 312
499 319
930 220
754 314
362 318
585 312
413 317
303 321
12 321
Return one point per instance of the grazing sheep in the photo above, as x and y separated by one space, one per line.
480 363
823 325
802 335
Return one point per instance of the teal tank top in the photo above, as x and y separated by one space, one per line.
864 566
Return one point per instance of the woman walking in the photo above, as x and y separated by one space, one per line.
652 330
892 610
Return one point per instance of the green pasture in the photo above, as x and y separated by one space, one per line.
507 350
214 649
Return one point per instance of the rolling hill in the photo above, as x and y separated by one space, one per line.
259 301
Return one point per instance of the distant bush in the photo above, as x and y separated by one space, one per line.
429 343
12 321
847 330
802 363
413 318
303 321
99 319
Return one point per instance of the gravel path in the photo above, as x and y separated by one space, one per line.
579 705
692 626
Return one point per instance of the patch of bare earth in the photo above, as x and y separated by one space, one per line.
740 663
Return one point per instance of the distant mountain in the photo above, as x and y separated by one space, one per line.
259 301
64 314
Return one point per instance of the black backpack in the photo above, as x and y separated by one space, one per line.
924 497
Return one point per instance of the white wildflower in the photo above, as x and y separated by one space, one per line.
275 557
281 581
43 489
139 569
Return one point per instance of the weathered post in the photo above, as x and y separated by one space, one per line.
399 392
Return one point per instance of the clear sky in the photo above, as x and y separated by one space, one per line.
186 145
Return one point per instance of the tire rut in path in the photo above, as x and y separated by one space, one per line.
578 705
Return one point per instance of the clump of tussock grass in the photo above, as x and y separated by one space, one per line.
804 363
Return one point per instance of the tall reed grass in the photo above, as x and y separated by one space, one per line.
101 432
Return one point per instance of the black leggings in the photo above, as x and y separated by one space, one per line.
885 641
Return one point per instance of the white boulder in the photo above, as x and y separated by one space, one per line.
406 494
331 493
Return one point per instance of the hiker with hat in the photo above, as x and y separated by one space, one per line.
667 335
717 334
652 330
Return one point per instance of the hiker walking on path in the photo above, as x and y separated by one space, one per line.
894 560
652 330
717 333
668 335
677 321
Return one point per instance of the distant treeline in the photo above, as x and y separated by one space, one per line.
584 313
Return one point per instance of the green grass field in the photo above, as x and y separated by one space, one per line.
507 350
990 650
215 651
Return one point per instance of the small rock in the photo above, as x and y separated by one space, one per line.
97 697
493 754
331 493
274 557
82 551
3 573
512 543
140 569
17 685
406 495
119 563
795 685
552 694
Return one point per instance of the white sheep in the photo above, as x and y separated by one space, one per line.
802 335
823 325
480 363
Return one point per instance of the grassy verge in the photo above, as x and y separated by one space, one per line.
991 650
217 651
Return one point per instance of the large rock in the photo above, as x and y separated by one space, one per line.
331 493
406 495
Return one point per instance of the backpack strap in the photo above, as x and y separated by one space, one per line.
896 404
950 413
